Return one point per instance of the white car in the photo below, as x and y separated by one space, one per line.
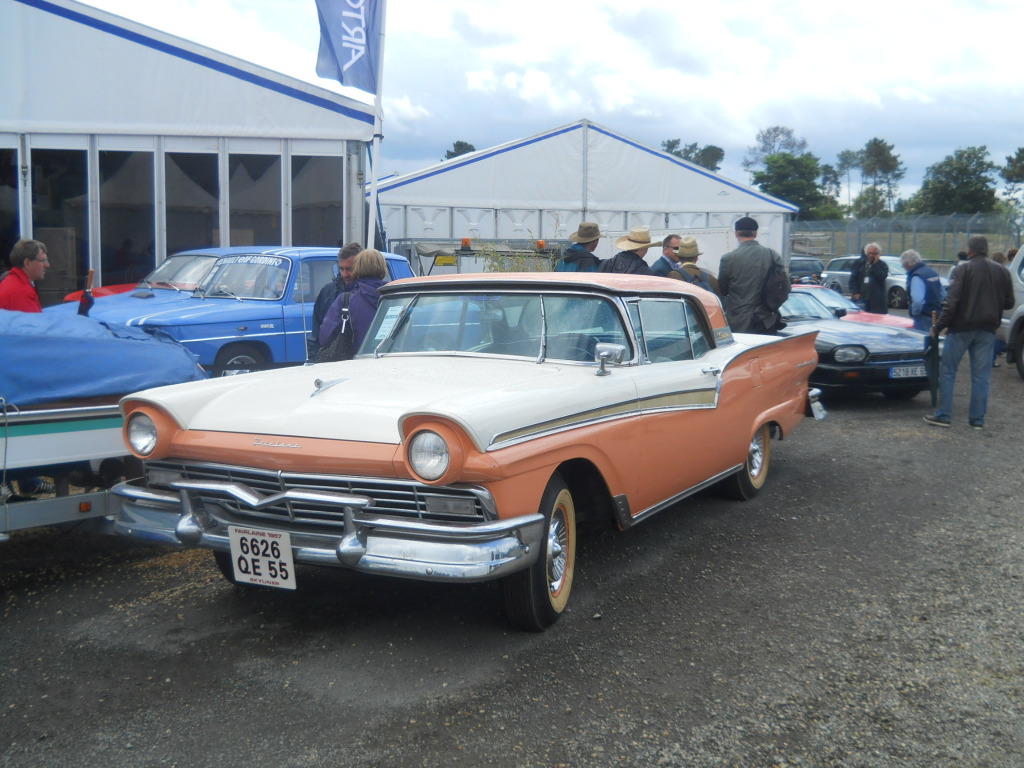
483 416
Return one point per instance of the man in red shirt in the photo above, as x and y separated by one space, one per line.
28 264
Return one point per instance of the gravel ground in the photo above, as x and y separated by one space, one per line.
862 612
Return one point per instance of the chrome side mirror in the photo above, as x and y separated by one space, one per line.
609 353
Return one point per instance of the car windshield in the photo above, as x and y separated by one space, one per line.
833 300
561 327
182 270
247 276
895 267
801 305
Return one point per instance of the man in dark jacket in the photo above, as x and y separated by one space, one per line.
872 291
342 283
630 258
979 292
741 279
579 257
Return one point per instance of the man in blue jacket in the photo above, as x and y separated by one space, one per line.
924 289
579 257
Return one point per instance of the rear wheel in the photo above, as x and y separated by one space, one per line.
534 598
746 483
836 286
239 358
898 298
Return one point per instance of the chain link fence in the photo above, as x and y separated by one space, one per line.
936 238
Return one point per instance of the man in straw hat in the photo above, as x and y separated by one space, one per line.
579 257
630 258
687 268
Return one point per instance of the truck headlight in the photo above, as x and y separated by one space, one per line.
850 353
429 455
141 434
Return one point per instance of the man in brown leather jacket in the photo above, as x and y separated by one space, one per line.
979 291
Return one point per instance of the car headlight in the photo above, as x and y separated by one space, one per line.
141 433
429 455
850 354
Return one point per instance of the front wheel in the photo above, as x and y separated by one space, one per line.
746 483
534 598
1018 352
239 358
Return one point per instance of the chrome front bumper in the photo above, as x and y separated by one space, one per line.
408 548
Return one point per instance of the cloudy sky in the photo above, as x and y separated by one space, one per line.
927 77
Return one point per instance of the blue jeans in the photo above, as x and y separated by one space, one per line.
979 344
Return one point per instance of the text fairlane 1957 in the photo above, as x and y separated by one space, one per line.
484 418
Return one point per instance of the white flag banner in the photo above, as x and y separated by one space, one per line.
350 42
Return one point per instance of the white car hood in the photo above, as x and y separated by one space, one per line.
365 400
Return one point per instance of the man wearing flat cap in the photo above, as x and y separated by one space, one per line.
630 258
741 279
579 257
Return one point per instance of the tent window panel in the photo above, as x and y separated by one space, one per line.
8 202
317 200
191 190
60 219
127 231
255 196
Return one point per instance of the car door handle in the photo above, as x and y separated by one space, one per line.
711 370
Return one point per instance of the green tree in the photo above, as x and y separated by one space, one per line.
961 183
459 148
869 203
882 168
793 178
772 141
709 157
1013 175
847 161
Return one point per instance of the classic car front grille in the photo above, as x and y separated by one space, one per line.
913 356
404 499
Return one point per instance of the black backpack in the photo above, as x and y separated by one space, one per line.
343 345
776 285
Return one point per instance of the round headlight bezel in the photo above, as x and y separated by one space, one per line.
429 454
850 354
141 433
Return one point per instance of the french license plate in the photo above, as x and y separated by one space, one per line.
262 557
907 372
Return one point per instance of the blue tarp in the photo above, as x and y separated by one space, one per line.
49 357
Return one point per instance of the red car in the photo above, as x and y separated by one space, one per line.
834 301
182 271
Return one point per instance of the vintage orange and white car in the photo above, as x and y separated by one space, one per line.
484 418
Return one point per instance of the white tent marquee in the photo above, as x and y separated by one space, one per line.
542 187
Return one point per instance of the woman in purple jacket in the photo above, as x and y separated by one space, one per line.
370 272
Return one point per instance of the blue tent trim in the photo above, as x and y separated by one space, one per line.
204 61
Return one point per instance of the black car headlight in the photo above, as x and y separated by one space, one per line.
850 353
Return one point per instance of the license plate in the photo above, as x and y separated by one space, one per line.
907 372
262 557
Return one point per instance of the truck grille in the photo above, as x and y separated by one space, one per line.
405 499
